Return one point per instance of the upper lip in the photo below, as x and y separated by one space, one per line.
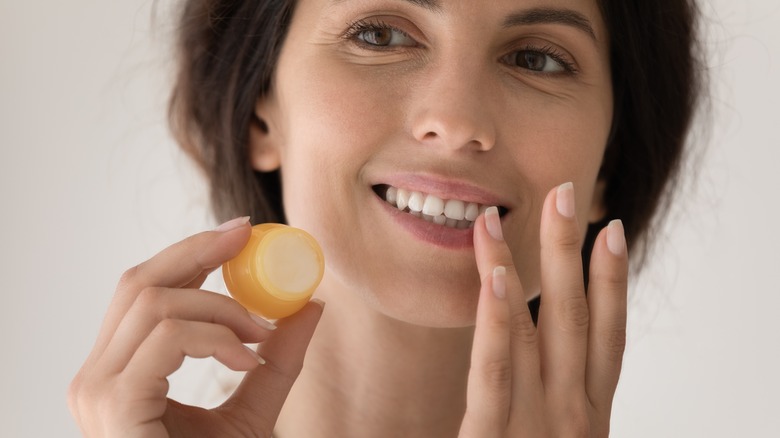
445 188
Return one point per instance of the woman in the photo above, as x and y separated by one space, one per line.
460 163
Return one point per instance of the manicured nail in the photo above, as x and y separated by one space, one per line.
616 237
262 322
254 354
232 224
499 282
493 223
564 199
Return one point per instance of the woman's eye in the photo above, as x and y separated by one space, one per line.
384 37
538 61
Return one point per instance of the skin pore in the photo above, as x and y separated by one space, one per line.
443 97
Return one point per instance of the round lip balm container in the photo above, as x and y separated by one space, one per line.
277 272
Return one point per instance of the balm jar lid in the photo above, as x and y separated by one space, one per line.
277 272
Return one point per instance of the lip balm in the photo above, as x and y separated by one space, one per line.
277 272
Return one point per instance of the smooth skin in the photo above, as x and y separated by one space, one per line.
157 317
557 380
397 353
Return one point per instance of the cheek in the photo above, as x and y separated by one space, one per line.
335 122
333 126
553 143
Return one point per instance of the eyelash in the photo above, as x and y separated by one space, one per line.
554 54
357 27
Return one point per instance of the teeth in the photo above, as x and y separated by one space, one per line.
402 199
416 201
472 211
451 213
454 209
433 206
392 195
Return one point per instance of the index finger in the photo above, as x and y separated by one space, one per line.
187 260
176 266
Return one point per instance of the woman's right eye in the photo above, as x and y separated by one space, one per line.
380 36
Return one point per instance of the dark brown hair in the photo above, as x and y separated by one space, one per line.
228 49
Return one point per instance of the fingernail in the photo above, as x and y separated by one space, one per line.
318 301
262 322
232 224
616 237
564 200
493 223
254 354
499 282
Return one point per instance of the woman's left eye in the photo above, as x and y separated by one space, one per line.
379 36
539 61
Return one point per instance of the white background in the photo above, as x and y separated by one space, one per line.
91 183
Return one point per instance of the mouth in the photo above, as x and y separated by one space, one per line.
450 213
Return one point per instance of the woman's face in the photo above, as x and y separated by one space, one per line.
464 102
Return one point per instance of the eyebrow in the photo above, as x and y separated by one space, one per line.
531 16
549 16
432 5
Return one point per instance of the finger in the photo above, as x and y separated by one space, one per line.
263 391
154 305
491 252
607 300
526 391
563 314
143 384
489 391
186 261
176 266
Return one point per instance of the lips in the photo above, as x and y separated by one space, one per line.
452 213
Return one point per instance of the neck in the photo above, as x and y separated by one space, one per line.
366 374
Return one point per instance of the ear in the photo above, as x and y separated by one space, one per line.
598 210
264 151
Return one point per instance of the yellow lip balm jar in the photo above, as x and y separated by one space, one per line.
277 272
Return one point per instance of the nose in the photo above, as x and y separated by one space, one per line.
452 110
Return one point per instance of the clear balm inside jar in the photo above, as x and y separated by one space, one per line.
277 272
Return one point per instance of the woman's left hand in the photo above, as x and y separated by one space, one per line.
557 379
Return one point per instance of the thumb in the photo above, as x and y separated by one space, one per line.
262 393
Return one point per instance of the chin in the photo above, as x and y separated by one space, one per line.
439 305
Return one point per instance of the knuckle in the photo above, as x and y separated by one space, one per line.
128 277
611 280
84 395
568 241
574 314
498 325
578 427
614 342
152 299
497 375
523 329
578 422
168 328
74 391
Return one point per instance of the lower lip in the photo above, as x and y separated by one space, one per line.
429 232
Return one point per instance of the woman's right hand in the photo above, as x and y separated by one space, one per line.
156 318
